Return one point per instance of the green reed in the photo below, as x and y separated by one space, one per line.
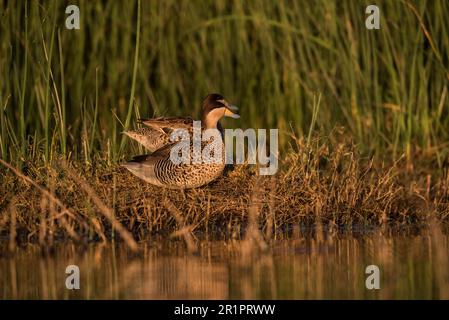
73 92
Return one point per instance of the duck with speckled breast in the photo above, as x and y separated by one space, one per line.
158 168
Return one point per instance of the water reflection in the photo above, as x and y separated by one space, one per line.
411 268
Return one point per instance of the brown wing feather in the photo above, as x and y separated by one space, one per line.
157 131
171 123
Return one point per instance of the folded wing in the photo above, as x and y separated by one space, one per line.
157 131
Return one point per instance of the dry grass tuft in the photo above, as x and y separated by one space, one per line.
322 188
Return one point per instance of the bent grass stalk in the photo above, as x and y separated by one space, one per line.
133 85
23 139
61 105
48 58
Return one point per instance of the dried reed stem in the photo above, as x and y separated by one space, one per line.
104 209
253 234
184 231
12 225
47 193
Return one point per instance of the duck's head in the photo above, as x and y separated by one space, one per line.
216 107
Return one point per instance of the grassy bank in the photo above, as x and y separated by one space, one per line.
66 96
323 189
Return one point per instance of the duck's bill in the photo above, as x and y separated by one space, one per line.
231 112
233 108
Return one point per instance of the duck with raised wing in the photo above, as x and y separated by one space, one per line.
158 168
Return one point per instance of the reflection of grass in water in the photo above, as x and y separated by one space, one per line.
302 268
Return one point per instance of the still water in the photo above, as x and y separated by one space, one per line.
412 267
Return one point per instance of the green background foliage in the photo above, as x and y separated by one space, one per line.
72 92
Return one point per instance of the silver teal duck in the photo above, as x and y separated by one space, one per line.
159 169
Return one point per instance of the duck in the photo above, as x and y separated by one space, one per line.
156 135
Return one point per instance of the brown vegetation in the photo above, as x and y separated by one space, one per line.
321 188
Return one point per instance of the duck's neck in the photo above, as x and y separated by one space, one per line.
211 119
211 123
